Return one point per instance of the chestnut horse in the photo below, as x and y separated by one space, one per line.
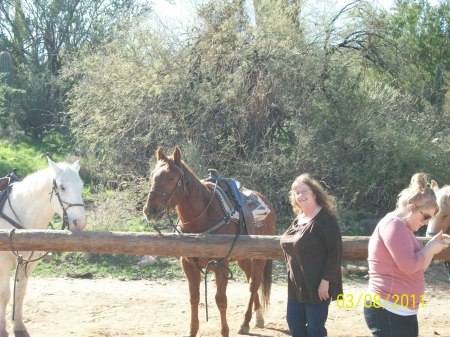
198 207
441 221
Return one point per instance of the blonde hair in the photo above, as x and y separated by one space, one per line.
419 192
323 198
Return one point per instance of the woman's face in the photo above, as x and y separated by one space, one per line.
304 196
419 217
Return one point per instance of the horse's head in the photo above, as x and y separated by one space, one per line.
67 190
441 221
167 184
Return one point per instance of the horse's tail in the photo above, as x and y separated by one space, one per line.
266 285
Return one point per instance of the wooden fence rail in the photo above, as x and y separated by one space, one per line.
132 243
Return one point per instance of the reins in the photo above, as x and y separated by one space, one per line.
218 264
21 261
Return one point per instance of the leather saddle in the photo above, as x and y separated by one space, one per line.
5 186
250 207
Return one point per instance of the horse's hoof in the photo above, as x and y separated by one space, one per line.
244 330
22 333
259 324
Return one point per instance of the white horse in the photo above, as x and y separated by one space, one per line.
31 204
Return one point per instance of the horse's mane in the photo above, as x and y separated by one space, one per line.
194 182
33 183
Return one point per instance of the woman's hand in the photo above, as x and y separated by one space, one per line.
446 238
323 290
438 243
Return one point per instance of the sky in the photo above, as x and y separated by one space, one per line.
179 14
181 9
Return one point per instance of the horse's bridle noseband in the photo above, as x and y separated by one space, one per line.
65 219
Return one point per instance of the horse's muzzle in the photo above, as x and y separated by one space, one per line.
78 225
152 213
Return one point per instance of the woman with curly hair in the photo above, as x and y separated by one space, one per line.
312 246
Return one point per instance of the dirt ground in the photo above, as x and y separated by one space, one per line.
108 307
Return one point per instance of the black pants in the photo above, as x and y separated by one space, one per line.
383 323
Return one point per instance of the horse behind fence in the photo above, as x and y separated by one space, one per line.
30 204
205 207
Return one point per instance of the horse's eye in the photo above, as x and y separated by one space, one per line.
62 187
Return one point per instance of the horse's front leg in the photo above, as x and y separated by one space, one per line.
192 272
5 294
222 274
23 275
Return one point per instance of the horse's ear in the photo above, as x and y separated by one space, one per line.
76 165
160 154
56 169
177 155
434 186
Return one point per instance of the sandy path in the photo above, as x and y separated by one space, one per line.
108 307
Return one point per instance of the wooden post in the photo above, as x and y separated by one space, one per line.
132 243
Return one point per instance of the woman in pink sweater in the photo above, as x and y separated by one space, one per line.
397 262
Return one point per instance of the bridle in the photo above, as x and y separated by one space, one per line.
181 183
169 195
62 202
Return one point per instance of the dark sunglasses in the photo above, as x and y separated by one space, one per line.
425 217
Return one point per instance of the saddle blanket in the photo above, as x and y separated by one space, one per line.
258 207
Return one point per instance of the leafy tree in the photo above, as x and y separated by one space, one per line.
41 36
424 33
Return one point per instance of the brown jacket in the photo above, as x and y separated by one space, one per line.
313 251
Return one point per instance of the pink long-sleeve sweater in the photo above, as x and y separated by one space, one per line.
396 264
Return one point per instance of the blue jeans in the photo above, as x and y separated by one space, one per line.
307 320
383 323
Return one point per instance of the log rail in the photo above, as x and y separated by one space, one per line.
134 243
